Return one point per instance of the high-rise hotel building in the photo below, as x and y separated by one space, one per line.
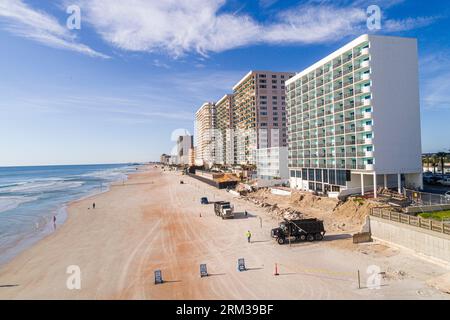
354 119
205 126
224 111
259 114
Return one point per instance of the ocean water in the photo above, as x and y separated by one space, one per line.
30 198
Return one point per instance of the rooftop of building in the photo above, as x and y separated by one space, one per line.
361 39
251 72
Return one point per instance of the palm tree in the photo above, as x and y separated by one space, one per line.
434 162
442 156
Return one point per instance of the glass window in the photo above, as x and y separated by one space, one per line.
299 174
292 174
311 175
325 175
305 174
332 174
319 175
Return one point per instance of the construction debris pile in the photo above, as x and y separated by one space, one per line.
338 216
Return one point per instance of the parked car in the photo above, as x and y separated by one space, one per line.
447 195
444 182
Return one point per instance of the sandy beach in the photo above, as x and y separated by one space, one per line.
153 222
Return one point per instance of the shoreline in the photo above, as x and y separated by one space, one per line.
62 215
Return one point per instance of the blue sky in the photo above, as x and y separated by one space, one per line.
115 90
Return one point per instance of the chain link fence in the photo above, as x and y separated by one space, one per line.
418 198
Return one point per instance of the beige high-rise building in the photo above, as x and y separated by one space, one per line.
205 124
259 113
225 139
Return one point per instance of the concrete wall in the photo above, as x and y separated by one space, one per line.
421 241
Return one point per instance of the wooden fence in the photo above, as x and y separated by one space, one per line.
419 222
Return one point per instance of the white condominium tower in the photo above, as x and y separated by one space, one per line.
354 119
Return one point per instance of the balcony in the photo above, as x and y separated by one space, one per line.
368 154
350 130
351 154
349 118
348 94
367 115
331 166
368 167
347 59
363 77
350 70
363 52
350 142
337 64
349 106
351 166
339 143
339 132
337 75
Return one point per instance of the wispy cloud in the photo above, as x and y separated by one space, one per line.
435 76
39 26
408 24
178 27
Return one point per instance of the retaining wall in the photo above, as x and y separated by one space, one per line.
426 242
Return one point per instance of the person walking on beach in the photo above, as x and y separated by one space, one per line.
248 234
54 222
93 206
245 213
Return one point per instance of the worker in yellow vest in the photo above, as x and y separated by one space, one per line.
248 234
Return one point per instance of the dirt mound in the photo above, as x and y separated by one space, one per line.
349 215
308 200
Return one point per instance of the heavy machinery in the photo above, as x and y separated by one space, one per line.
224 209
299 230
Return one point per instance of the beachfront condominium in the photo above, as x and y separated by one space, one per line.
354 119
205 125
184 145
259 115
224 123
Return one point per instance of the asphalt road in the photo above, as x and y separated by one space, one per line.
436 189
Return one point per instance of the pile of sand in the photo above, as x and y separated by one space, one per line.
308 200
349 215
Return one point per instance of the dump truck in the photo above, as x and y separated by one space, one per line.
299 230
224 209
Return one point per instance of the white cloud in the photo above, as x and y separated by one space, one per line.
435 77
182 26
407 24
41 27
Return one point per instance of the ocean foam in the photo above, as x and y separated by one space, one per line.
9 203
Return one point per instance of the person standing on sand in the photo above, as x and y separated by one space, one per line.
93 206
248 234
54 222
